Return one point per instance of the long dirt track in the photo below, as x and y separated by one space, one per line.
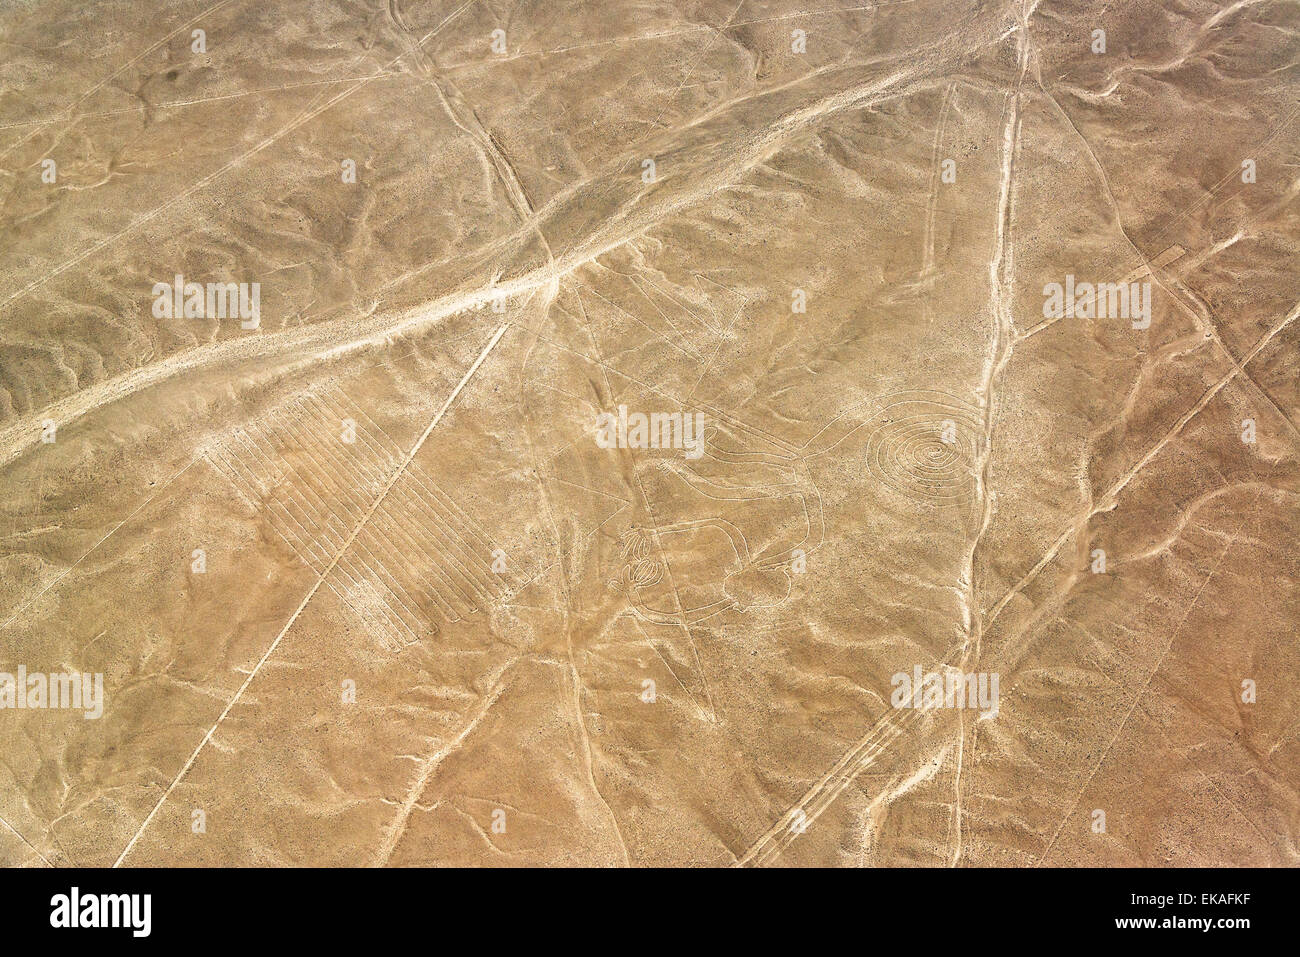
383 574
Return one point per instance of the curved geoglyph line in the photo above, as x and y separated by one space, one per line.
926 445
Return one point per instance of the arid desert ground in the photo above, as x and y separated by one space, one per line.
671 432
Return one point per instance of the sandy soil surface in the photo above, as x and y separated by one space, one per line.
376 565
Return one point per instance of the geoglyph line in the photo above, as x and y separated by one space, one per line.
310 594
